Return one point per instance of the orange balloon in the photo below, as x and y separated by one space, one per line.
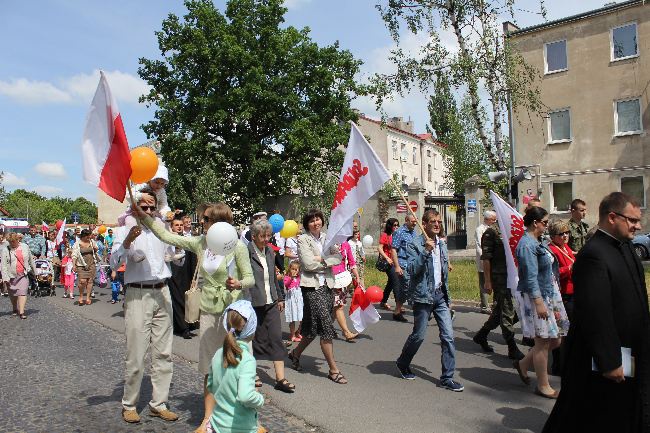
101 229
144 164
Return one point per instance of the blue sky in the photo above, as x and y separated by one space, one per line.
52 52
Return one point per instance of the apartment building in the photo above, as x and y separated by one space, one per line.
413 157
592 138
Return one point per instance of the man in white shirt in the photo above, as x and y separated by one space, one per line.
187 226
147 314
489 218
246 235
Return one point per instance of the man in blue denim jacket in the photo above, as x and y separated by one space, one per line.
428 265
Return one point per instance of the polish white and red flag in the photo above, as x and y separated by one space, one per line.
59 236
104 149
44 226
362 312
511 225
362 175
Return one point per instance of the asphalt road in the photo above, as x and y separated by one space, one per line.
377 399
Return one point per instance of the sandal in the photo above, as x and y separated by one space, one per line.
295 361
337 377
14 314
285 386
258 382
524 378
23 316
353 336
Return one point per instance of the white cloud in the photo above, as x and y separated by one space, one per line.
295 4
48 190
33 92
10 179
50 169
80 88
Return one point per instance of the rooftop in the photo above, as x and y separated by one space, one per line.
425 137
608 8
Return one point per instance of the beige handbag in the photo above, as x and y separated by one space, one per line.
193 297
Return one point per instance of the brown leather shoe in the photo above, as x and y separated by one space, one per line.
130 416
164 414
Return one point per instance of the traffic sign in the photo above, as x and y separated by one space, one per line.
414 205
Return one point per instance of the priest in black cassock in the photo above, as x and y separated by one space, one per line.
179 283
610 313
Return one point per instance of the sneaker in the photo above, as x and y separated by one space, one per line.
65 295
399 317
164 414
406 373
452 385
92 295
71 296
130 416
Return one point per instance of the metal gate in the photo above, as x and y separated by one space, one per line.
452 211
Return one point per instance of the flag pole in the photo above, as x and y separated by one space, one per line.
128 186
408 206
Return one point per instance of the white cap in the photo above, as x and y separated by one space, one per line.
162 173
259 214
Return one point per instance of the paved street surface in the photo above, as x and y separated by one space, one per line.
65 373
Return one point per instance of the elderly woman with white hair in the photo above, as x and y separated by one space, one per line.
17 262
267 298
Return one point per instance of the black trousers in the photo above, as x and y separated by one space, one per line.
391 285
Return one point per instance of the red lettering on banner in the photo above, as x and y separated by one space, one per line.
349 182
516 232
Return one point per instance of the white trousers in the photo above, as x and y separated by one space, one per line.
148 322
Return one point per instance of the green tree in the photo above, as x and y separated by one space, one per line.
246 104
464 155
479 60
28 204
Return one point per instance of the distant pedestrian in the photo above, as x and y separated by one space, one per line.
67 268
345 273
85 260
245 236
611 331
402 238
180 281
545 319
232 400
17 263
358 251
36 243
427 263
578 229
293 301
489 218
386 255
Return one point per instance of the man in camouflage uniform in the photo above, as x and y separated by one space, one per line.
578 229
496 281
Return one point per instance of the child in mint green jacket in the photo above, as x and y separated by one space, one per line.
231 380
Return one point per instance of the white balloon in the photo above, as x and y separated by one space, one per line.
221 238
367 241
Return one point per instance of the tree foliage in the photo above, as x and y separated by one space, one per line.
28 204
246 106
480 61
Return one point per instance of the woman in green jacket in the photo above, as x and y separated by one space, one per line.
224 279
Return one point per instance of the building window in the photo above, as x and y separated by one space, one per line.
429 174
429 153
395 150
404 179
404 154
555 58
416 179
633 186
435 187
415 155
627 117
624 42
435 161
559 126
562 194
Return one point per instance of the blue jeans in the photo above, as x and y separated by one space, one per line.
421 313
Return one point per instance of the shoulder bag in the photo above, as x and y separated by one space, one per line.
193 297
382 264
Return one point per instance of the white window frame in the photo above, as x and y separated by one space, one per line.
428 153
395 149
620 187
566 54
611 41
623 134
415 155
552 197
429 172
549 128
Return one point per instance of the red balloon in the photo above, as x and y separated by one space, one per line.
374 294
59 223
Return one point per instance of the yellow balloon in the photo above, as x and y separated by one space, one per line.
101 229
290 229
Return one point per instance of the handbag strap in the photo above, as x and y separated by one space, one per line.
195 278
565 254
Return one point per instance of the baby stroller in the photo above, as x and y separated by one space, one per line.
44 275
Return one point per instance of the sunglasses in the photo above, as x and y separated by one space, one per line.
146 208
633 221
545 222
562 234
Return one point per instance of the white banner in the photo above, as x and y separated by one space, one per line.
362 175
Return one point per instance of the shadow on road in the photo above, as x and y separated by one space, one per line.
526 418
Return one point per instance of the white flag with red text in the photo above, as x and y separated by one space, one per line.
60 234
362 175
511 225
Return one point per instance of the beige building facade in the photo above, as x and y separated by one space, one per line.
592 139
